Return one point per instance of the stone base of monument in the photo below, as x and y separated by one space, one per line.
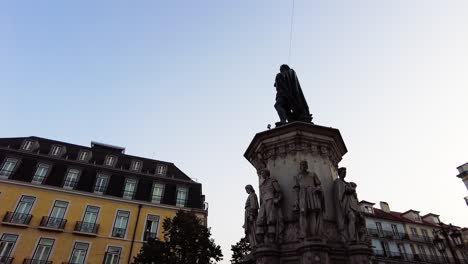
281 151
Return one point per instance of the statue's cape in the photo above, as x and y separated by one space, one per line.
287 84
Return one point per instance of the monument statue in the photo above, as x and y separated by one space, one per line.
270 217
346 205
250 215
310 202
290 103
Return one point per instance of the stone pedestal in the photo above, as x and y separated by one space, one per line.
280 150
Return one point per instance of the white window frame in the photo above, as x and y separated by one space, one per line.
72 253
186 196
86 154
4 242
56 150
145 230
4 173
136 165
54 221
87 228
161 169
125 188
120 227
106 255
78 174
28 145
37 247
97 190
39 165
110 160
152 192
18 215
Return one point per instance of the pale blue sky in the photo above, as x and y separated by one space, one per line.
192 81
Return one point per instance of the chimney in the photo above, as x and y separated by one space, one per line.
385 207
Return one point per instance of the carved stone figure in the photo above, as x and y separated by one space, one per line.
250 215
270 217
290 103
310 202
346 207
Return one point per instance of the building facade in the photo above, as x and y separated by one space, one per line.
407 237
65 203
463 175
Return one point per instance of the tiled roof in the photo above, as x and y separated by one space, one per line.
397 217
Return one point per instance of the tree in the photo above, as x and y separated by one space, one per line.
240 250
186 241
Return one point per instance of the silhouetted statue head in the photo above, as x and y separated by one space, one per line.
284 68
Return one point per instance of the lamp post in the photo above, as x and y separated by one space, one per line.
448 232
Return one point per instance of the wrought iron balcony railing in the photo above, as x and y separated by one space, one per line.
70 184
381 254
86 227
128 194
17 218
5 174
36 261
6 260
118 232
150 235
52 222
387 234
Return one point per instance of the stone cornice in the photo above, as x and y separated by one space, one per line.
296 137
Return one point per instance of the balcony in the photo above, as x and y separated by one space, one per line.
99 189
150 235
386 234
5 174
85 228
128 195
417 258
6 260
118 232
70 184
52 223
36 261
17 219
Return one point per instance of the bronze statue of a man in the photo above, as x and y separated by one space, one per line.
250 215
310 202
290 103
270 217
346 207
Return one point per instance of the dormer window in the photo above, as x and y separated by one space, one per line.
56 150
136 165
417 218
161 169
436 220
368 209
84 155
110 160
28 145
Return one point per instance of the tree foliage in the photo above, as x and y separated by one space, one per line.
240 250
186 241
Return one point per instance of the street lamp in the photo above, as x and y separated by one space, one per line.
446 232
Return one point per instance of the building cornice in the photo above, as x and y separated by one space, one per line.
99 196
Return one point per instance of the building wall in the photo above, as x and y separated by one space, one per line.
11 192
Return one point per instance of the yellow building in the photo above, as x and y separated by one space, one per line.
63 206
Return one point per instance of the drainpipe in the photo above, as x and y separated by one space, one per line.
134 233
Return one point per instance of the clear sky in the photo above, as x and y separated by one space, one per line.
192 82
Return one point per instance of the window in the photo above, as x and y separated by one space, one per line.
56 150
28 145
368 209
417 218
41 173
181 196
7 243
161 169
83 155
395 230
21 214
157 193
112 255
79 252
56 217
88 224
110 160
43 249
379 228
136 165
71 179
425 234
151 229
101 183
129 188
414 232
422 250
120 225
385 247
8 168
